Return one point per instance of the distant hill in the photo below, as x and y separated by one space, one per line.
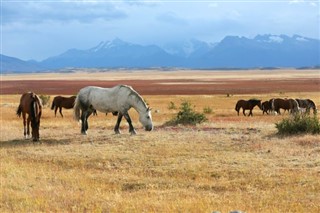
232 52
11 64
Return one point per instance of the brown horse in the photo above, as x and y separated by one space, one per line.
62 102
266 107
30 104
250 104
287 104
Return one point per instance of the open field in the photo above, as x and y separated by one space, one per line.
229 162
170 82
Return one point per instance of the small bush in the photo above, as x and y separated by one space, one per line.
187 115
45 99
207 110
299 124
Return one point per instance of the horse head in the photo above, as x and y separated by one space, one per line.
145 119
259 104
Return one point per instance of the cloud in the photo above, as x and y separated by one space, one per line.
50 27
171 18
36 12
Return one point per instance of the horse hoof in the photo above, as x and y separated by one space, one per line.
133 132
84 133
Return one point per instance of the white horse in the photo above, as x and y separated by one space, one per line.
116 99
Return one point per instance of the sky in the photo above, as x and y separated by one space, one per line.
44 28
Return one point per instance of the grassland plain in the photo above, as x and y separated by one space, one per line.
229 162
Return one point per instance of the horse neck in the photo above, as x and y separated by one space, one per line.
137 103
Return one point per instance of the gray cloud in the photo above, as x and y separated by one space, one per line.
171 18
39 29
36 12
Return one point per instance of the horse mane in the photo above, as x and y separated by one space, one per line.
253 100
135 94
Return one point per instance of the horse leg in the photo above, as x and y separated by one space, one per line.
116 127
243 111
83 123
88 113
60 110
24 125
55 111
250 113
28 126
131 129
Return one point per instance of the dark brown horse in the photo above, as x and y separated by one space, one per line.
62 102
266 107
30 104
250 104
287 104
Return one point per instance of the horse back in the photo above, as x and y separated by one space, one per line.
27 101
65 102
242 104
281 103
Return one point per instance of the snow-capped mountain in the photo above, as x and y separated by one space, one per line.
116 53
231 52
265 51
188 49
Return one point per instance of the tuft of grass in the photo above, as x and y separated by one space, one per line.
298 124
207 110
171 106
187 115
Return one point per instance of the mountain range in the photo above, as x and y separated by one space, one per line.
231 52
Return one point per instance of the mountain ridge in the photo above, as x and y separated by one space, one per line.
231 52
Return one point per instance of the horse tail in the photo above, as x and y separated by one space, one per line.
36 106
33 109
19 110
237 106
76 109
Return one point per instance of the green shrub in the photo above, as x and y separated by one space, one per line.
299 124
187 115
45 99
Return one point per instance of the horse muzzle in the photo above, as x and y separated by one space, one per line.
148 128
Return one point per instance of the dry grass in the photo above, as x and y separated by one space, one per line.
227 163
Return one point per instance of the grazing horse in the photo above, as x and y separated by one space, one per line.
266 107
30 104
307 104
250 104
62 102
286 104
116 99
